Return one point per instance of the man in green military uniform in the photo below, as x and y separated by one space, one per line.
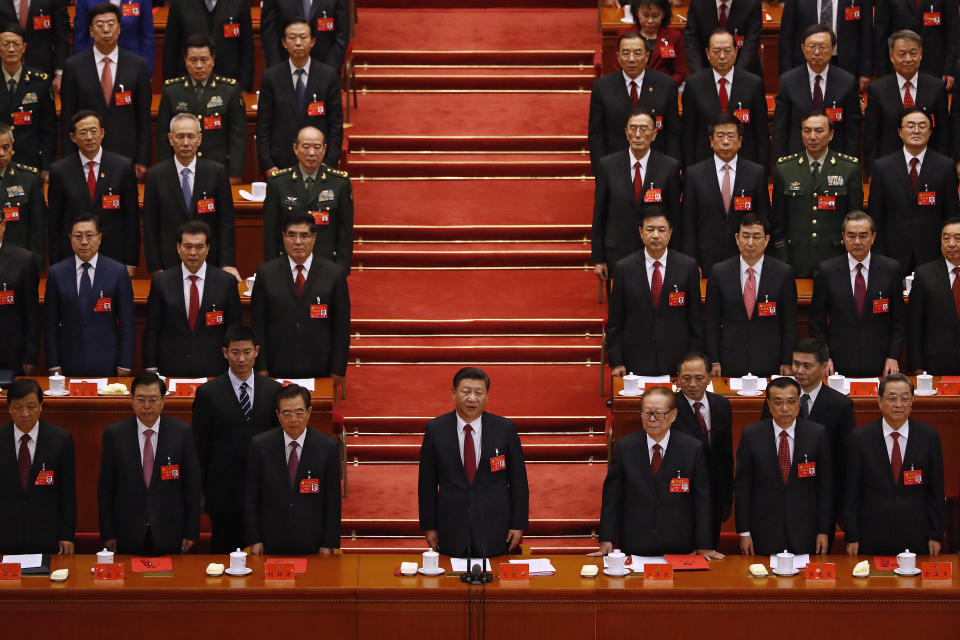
215 100
812 192
21 195
313 188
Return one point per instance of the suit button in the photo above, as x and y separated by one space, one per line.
814 207
813 235
814 221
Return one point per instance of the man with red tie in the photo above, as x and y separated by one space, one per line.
933 316
473 493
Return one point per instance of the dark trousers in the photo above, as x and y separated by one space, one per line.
226 531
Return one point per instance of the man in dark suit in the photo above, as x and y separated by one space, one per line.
149 486
857 308
917 192
113 82
709 418
895 480
935 21
136 27
23 207
616 95
649 513
189 309
300 307
292 504
47 27
38 494
889 95
933 316
89 323
655 312
228 24
851 20
329 21
472 485
187 188
294 94
784 479
227 412
718 192
751 308
19 308
721 88
821 86
94 180
26 102
742 18
626 181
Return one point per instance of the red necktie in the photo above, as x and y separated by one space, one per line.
726 189
907 98
956 289
194 309
896 459
656 283
300 280
750 292
783 456
722 18
147 457
634 96
697 406
23 460
914 174
106 81
723 95
469 454
637 183
91 179
24 12
293 462
656 459
817 92
859 290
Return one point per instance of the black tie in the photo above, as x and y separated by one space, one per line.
245 406
805 405
12 86
86 288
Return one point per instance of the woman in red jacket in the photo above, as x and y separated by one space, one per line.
664 44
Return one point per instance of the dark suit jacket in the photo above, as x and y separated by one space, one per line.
28 231
933 328
280 118
676 66
709 230
127 505
777 515
906 231
136 32
759 344
701 105
35 519
649 337
47 49
20 321
168 343
292 343
282 517
496 502
222 437
859 344
69 196
641 513
881 120
329 47
854 37
939 41
745 19
126 127
82 341
234 55
884 515
164 210
36 143
610 107
616 215
794 101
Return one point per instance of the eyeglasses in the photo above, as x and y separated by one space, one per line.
80 237
819 48
639 129
917 126
299 413
892 398
146 402
659 415
781 403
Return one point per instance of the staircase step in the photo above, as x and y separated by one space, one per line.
575 58
500 81
373 327
373 425
552 448
452 233
491 254
405 352
538 167
361 143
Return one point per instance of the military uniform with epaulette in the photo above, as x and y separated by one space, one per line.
329 200
30 113
808 209
223 119
24 210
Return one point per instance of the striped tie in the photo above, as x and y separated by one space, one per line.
246 407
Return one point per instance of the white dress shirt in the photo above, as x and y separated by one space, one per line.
235 382
904 432
31 444
93 269
306 267
477 428
950 274
143 439
286 447
756 272
813 396
728 78
791 432
191 177
643 165
812 80
901 81
114 58
663 446
201 277
907 156
733 171
627 80
704 410
835 8
84 160
293 73
650 260
852 263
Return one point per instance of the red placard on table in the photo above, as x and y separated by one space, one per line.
514 571
936 570
863 388
948 388
821 571
886 563
108 571
186 389
657 572
83 389
143 565
274 570
693 562
299 564
10 571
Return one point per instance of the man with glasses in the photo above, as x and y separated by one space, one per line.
89 323
784 479
46 25
311 187
656 496
149 487
895 480
933 316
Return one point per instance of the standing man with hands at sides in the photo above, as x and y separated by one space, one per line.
933 315
473 493
787 504
895 480
330 20
24 208
656 496
20 308
742 18
149 486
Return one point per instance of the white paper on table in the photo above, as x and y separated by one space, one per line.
653 380
459 565
26 561
538 566
847 381
637 562
799 561
736 384
100 382
306 383
172 382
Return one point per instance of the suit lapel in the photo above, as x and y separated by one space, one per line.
771 442
130 440
642 282
671 282
763 285
879 445
93 78
451 445
923 180
4 259
904 173
173 181
734 284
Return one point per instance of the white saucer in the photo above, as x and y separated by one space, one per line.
786 574
57 394
901 572
623 392
439 572
247 293
932 392
246 195
243 572
749 395
616 574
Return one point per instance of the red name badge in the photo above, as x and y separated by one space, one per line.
931 18
743 115
835 113
807 470
677 298
657 572
111 571
318 311
6 297
936 570
826 202
231 30
881 305
22 117
206 205
851 13
273 570
821 571
740 41
170 472
321 217
948 388
212 122
130 10
110 202
122 98
913 477
767 308
316 109
499 463
743 203
653 195
44 479
103 305
11 214
679 485
927 198
214 318
83 389
42 23
658 123
310 485
10 571
324 24
668 52
514 571
187 389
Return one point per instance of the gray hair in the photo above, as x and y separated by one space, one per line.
904 34
185 116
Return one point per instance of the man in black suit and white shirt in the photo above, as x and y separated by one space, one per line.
292 504
857 308
47 26
742 18
616 95
19 308
936 21
751 303
189 309
38 494
784 479
722 88
149 486
895 480
329 20
472 484
933 316
227 412
654 305
718 192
